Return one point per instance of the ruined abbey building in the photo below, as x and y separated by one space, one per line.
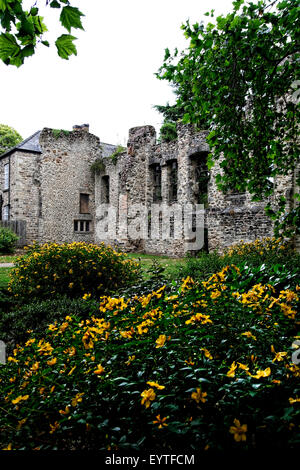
53 185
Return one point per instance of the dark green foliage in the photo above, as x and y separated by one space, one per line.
30 27
168 132
229 80
37 315
9 138
8 240
98 166
202 266
114 156
60 132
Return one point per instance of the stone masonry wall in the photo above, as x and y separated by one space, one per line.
229 218
126 203
65 174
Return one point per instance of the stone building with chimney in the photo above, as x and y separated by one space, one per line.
66 186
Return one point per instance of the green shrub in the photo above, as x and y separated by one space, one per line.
72 269
207 367
168 131
202 266
269 250
8 240
37 315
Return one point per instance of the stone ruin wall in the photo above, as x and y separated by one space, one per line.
64 174
45 187
45 190
229 218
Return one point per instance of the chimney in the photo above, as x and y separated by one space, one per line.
81 128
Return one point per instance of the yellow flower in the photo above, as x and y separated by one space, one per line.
154 384
243 366
148 396
231 372
160 341
99 370
72 370
249 335
86 296
51 362
207 353
262 373
215 294
294 400
238 431
20 423
189 362
203 319
160 421
77 399
66 411
278 356
130 359
9 447
54 427
20 398
199 396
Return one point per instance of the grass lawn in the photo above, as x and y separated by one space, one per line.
4 276
7 258
169 264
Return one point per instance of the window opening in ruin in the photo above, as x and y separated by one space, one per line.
160 224
201 178
172 222
6 213
6 176
156 176
82 226
105 189
173 181
84 204
149 224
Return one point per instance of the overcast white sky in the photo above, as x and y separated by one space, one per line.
110 84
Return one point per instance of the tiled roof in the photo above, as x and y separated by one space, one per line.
31 144
107 149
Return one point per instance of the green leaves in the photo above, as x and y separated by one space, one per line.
70 18
9 47
229 81
65 46
30 28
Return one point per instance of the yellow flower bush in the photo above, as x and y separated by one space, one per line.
78 268
258 247
173 368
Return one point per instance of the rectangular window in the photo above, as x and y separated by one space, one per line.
105 189
84 204
156 177
173 183
6 213
82 226
6 176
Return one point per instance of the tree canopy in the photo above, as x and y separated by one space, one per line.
23 30
239 79
9 137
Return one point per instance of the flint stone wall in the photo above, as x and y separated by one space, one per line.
45 190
